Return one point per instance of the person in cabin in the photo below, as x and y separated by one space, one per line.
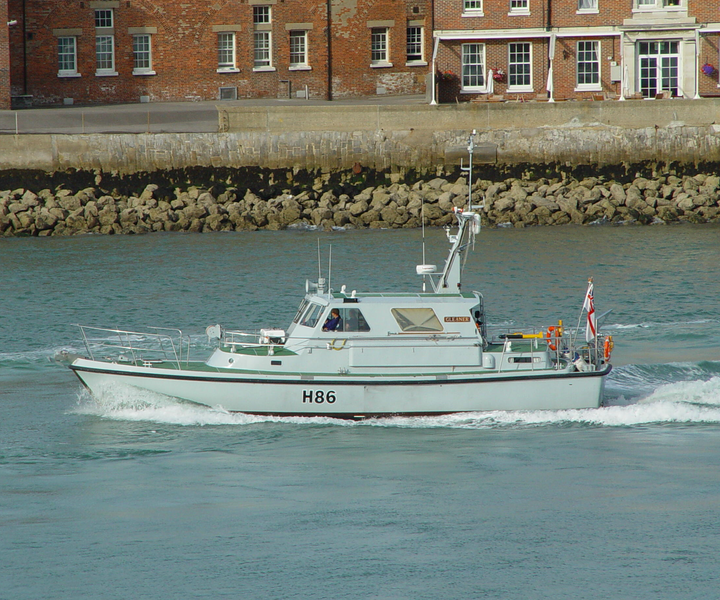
333 322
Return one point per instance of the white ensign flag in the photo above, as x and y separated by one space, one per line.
589 306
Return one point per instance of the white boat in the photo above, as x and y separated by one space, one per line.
358 355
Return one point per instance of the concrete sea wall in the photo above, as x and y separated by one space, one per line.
372 166
420 137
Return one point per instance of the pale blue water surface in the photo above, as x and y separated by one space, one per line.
133 496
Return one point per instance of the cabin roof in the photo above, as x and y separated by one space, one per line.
392 295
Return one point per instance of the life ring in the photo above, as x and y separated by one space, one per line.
331 345
608 347
551 333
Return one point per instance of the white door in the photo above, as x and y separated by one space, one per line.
659 68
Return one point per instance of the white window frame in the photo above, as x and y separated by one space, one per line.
519 7
473 8
262 14
71 72
146 70
107 71
659 68
525 87
588 87
416 42
227 48
265 62
380 54
649 5
473 89
588 7
104 18
298 34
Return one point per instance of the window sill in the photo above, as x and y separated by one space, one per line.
416 63
474 91
380 65
479 13
587 11
300 68
596 89
263 69
653 9
144 72
228 70
519 90
68 75
519 13
106 73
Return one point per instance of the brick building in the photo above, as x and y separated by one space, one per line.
4 57
563 49
94 51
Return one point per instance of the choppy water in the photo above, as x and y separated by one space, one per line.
137 496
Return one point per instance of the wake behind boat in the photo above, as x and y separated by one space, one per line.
362 354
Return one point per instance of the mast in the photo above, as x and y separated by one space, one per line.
468 222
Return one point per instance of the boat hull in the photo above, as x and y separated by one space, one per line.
350 396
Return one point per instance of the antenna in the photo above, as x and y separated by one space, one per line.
329 269
471 149
319 267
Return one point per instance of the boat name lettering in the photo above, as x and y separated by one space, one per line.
457 319
318 396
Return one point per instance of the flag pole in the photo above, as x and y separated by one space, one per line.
597 335
582 308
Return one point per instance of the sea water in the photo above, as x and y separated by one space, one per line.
133 495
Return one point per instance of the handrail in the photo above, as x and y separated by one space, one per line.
167 345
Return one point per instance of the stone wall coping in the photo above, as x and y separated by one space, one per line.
76 31
221 28
141 30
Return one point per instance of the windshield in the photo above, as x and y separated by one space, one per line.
312 315
300 311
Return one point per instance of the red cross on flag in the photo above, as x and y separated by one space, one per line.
589 306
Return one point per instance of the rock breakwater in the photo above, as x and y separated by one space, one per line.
509 202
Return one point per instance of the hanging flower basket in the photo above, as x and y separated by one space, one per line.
708 69
446 76
499 75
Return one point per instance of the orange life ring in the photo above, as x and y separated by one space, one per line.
551 332
608 347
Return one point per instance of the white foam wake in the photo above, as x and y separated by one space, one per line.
681 402
131 404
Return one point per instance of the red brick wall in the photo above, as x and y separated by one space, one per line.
352 73
4 57
184 50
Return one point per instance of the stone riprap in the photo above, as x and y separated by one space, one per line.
511 202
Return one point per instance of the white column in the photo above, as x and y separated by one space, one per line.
697 65
623 68
433 99
551 73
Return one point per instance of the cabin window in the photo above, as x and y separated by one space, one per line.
312 315
300 311
416 320
524 359
353 320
